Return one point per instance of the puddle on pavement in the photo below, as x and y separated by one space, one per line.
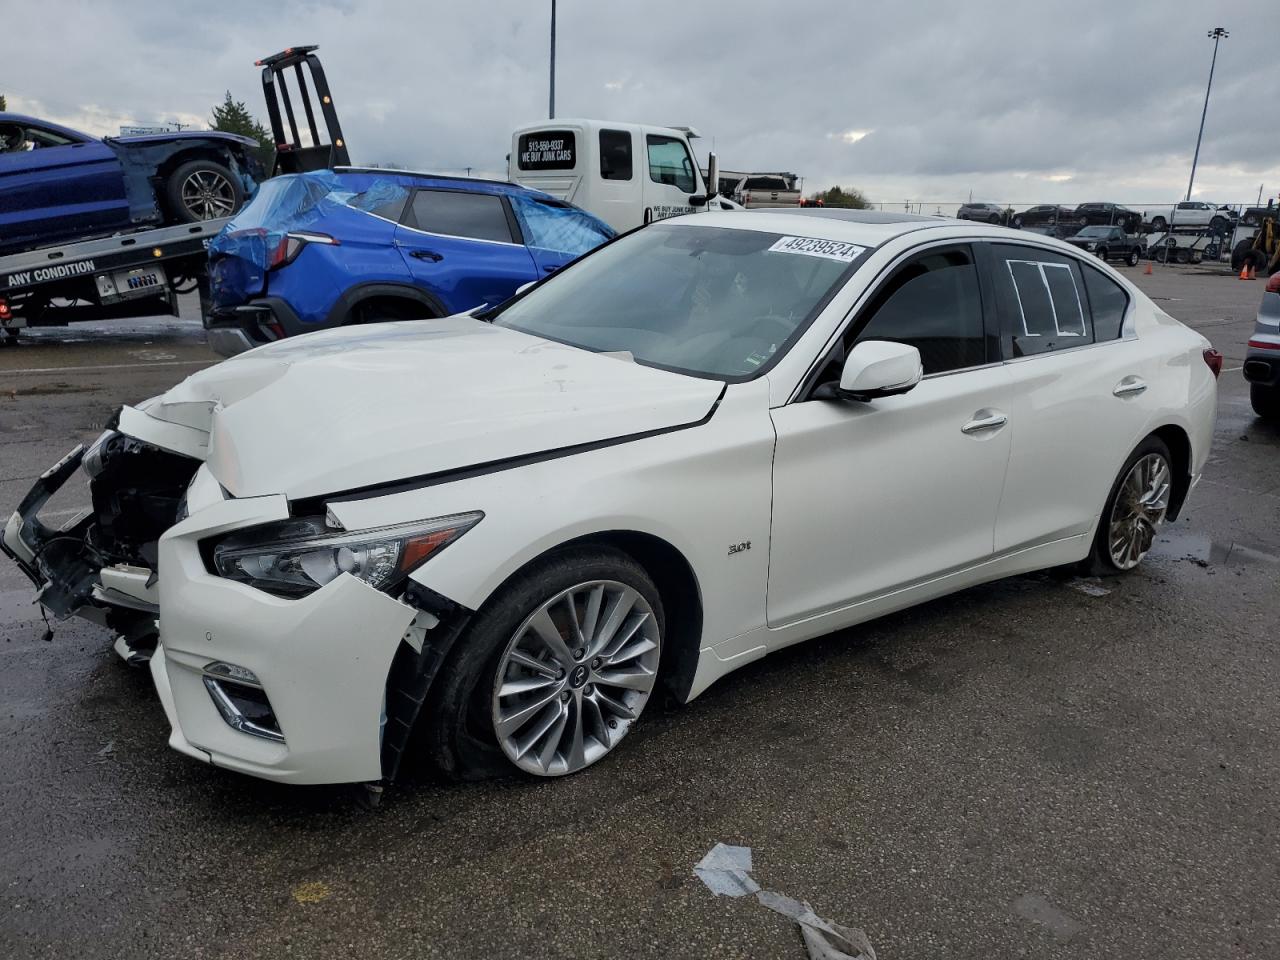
1205 551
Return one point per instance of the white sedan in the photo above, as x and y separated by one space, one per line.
485 540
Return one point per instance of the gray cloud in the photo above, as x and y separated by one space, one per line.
1014 101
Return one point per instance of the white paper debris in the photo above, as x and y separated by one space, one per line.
725 870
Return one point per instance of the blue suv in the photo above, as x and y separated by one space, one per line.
322 249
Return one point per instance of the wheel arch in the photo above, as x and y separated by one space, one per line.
341 311
677 584
1178 441
183 155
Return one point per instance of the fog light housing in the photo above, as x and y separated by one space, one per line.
240 700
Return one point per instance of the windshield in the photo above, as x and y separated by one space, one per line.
1094 232
708 301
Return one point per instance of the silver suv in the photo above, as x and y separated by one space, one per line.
1262 358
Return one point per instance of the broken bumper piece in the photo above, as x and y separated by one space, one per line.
291 690
55 561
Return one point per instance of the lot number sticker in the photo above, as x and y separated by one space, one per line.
810 247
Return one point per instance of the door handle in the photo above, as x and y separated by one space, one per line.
1129 387
427 255
552 269
984 420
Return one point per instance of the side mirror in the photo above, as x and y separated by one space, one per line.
713 176
876 368
697 200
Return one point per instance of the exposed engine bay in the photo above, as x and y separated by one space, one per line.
101 565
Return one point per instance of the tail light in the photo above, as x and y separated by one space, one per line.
5 312
292 244
1214 359
1264 345
1273 285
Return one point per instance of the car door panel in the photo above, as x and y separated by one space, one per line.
872 497
60 192
462 271
1071 430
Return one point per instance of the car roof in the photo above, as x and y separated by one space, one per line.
480 184
869 228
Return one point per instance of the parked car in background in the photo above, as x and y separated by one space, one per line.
1262 355
1109 243
487 541
1108 214
765 192
58 184
1190 213
1044 215
325 249
986 212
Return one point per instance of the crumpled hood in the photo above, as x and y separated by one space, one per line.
358 406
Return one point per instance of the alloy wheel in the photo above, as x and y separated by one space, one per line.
208 195
575 677
1139 509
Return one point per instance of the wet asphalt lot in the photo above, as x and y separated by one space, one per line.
1021 770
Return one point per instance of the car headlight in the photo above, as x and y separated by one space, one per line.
1090 246
295 557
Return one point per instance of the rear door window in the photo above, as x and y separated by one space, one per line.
1042 304
477 216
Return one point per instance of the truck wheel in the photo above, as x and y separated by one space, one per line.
1102 253
1159 224
1218 224
1017 223
1134 256
202 190
994 218
1182 255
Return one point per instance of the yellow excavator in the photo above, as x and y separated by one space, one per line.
1257 240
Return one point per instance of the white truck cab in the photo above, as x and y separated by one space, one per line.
627 174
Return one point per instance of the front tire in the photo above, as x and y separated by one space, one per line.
1265 401
1134 256
1159 225
1135 509
552 673
203 190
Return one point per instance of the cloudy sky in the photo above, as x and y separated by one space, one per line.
1014 102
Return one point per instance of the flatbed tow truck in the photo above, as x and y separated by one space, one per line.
136 274
141 273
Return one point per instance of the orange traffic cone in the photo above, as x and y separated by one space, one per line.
1244 272
1147 272
1253 272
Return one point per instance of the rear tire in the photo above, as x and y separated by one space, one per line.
457 730
1265 401
1017 223
203 190
1134 256
1135 509
1159 225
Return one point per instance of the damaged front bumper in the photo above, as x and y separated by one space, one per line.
101 564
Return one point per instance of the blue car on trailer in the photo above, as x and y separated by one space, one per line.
355 245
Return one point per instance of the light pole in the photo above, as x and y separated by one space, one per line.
551 110
1217 34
